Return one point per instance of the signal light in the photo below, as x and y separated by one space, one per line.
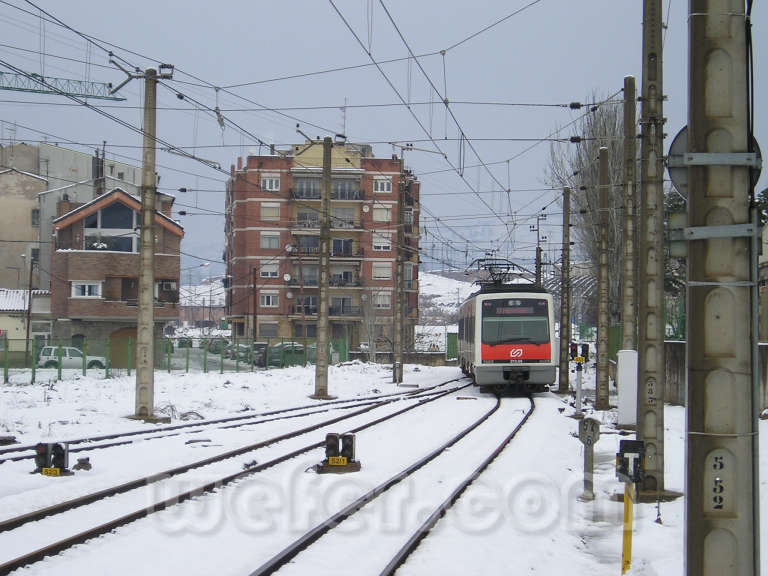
52 459
331 445
574 350
585 351
348 447
42 456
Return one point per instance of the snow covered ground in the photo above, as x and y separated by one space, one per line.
522 516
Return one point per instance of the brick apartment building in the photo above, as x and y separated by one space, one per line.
95 271
272 251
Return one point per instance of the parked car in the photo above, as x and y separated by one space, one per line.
70 358
216 345
236 351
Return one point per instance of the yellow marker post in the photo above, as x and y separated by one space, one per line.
629 506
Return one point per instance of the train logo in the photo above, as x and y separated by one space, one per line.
516 353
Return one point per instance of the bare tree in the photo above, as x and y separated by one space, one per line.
576 166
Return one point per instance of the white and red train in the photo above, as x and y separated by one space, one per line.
507 337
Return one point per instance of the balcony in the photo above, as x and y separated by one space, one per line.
308 282
298 309
344 310
341 282
335 195
314 252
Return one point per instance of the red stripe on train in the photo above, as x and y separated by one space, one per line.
516 352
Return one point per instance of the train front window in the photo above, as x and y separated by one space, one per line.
515 321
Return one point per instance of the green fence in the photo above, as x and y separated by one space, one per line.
61 359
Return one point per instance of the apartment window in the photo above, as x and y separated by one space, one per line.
86 289
343 218
382 300
35 217
382 214
345 189
270 240
310 330
310 274
382 242
306 187
269 299
269 270
341 247
111 228
309 244
121 175
270 211
268 329
382 185
382 271
270 182
308 219
408 216
310 305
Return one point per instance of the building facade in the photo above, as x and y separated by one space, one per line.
95 272
19 226
272 244
66 175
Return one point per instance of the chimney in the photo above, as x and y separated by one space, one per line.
239 163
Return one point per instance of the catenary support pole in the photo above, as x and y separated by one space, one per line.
397 333
722 496
601 384
629 278
321 361
565 295
145 353
650 350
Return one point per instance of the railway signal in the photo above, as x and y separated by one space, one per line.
52 459
339 455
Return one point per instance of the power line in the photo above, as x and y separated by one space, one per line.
418 121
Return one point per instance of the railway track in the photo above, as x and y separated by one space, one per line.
421 397
131 436
286 559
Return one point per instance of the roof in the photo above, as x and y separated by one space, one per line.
16 300
114 195
24 173
92 180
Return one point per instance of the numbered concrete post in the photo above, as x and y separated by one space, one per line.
589 434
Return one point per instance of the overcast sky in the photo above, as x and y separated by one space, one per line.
551 52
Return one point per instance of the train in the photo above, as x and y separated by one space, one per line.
507 338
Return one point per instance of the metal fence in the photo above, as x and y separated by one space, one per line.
39 360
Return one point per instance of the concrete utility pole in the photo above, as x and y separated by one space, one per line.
601 384
397 335
29 309
145 341
650 351
321 361
629 278
722 496
565 294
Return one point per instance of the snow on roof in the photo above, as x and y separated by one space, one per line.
210 293
16 300
12 169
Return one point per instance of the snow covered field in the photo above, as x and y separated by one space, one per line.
523 515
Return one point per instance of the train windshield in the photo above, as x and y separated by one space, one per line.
515 321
